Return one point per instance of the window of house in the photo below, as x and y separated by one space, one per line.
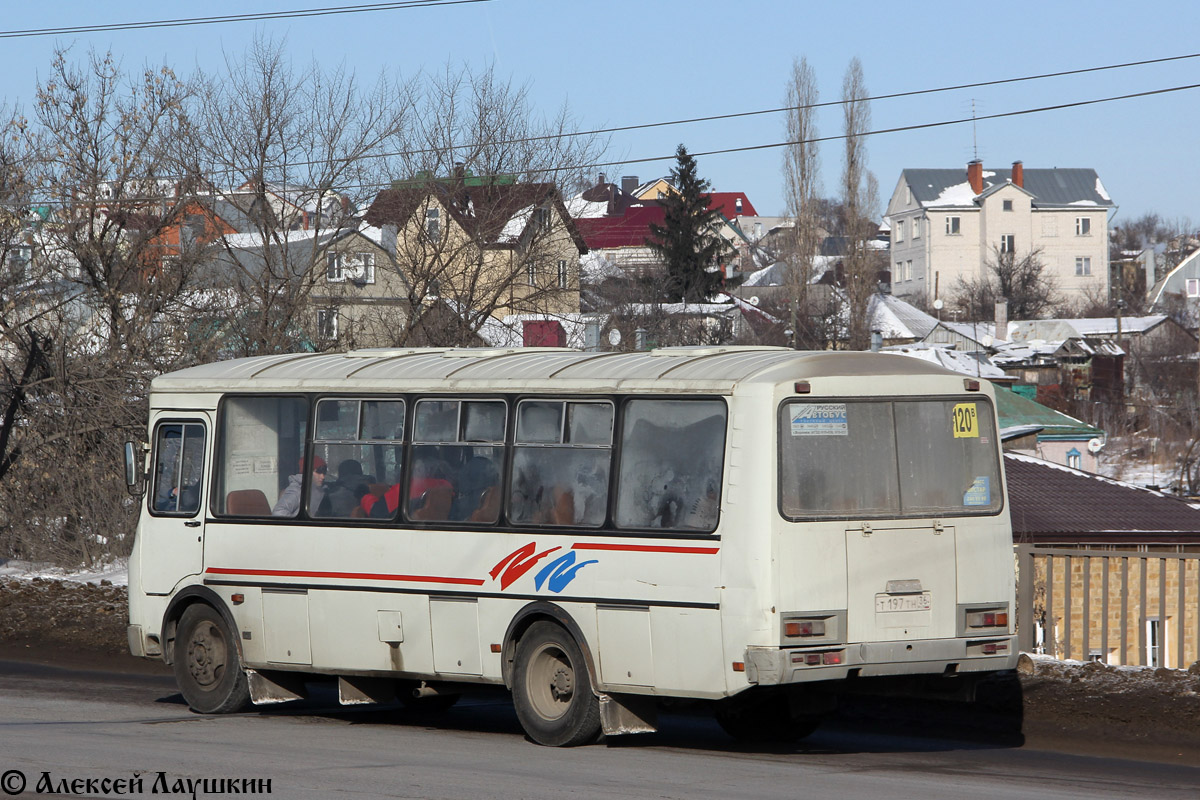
562 273
1155 642
1074 459
908 195
1008 243
1050 225
561 462
672 452
953 226
916 228
908 273
1083 226
356 267
541 219
327 323
899 235
1007 205
432 224
1083 265
1193 287
19 258
898 273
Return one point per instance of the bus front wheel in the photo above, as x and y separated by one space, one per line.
207 667
552 692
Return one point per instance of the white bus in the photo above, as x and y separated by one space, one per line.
758 528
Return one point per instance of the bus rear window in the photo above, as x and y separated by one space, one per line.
926 457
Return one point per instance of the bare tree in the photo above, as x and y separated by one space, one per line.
860 194
802 190
476 221
1024 282
85 331
300 150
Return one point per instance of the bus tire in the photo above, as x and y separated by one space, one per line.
765 717
208 669
552 692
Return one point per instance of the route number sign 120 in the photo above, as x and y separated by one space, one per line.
966 421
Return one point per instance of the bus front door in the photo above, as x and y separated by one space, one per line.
172 546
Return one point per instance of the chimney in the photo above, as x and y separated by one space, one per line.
629 183
1018 174
975 175
602 179
1002 317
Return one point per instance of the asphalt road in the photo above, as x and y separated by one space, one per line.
93 725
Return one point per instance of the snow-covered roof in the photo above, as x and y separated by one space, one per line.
954 360
1051 329
896 319
1058 187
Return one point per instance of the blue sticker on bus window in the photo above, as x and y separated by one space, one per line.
979 493
819 419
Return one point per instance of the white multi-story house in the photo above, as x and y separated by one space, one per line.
947 225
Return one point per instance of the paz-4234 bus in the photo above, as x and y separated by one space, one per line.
757 529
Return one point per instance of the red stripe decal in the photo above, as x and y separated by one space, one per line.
646 548
365 576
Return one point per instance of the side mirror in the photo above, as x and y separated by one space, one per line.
133 472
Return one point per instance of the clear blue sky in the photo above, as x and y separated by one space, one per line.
626 62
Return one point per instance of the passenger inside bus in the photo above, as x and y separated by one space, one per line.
288 504
478 497
348 490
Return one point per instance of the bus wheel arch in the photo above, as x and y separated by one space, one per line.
179 604
541 611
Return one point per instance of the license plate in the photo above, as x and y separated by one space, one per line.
903 602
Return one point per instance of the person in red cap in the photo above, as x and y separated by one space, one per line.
289 501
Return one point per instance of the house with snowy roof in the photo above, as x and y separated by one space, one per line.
947 225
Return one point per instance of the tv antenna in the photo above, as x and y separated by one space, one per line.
974 131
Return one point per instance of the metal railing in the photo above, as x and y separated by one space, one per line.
1152 599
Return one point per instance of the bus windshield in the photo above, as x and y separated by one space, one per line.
888 458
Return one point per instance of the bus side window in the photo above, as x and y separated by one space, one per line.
560 472
458 449
262 450
178 468
672 453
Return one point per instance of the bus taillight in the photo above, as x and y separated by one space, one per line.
812 627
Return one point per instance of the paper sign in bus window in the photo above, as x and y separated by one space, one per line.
965 420
819 419
979 493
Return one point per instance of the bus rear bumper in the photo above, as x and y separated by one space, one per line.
772 666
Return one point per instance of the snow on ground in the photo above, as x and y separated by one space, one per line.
115 572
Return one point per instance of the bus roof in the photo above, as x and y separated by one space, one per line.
682 369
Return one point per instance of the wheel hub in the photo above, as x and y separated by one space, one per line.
563 684
206 656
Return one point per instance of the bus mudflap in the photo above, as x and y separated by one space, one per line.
627 713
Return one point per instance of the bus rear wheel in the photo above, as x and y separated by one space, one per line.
764 717
207 667
552 692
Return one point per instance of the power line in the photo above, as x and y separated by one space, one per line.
779 110
775 145
253 17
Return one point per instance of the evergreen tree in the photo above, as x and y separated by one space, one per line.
687 241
